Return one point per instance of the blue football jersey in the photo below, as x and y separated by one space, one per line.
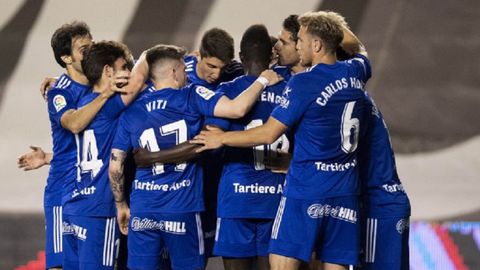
161 120
247 189
64 96
325 106
284 71
382 192
92 195
149 87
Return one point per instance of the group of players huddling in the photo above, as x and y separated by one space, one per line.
272 163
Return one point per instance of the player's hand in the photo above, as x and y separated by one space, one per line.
32 160
123 216
142 157
46 85
278 162
210 139
272 77
117 84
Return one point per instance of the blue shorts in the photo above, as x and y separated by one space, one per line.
53 234
90 242
242 237
150 234
327 226
385 243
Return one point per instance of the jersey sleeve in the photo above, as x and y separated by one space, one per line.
114 106
362 66
295 101
121 140
59 101
205 100
222 123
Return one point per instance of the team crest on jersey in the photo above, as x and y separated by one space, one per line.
287 91
59 102
204 92
402 225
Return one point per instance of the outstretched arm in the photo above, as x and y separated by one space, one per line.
238 107
180 153
117 184
264 134
136 81
34 159
350 43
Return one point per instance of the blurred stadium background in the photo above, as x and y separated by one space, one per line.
425 56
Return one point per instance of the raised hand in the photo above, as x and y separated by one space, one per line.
32 160
46 85
117 84
210 139
272 77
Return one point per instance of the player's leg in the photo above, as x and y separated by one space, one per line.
293 234
145 242
386 243
338 242
53 237
279 262
184 240
262 263
314 264
230 263
99 241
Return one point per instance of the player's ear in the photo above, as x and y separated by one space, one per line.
240 54
317 45
67 59
108 70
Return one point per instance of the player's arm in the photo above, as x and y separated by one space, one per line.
78 120
136 81
46 85
279 163
180 153
34 159
264 134
177 154
117 184
239 106
350 43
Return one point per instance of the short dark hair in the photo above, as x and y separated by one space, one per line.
163 52
100 54
291 25
62 39
273 40
256 45
217 43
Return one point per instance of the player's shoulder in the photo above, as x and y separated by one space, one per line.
283 71
301 78
190 62
198 91
63 82
232 83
